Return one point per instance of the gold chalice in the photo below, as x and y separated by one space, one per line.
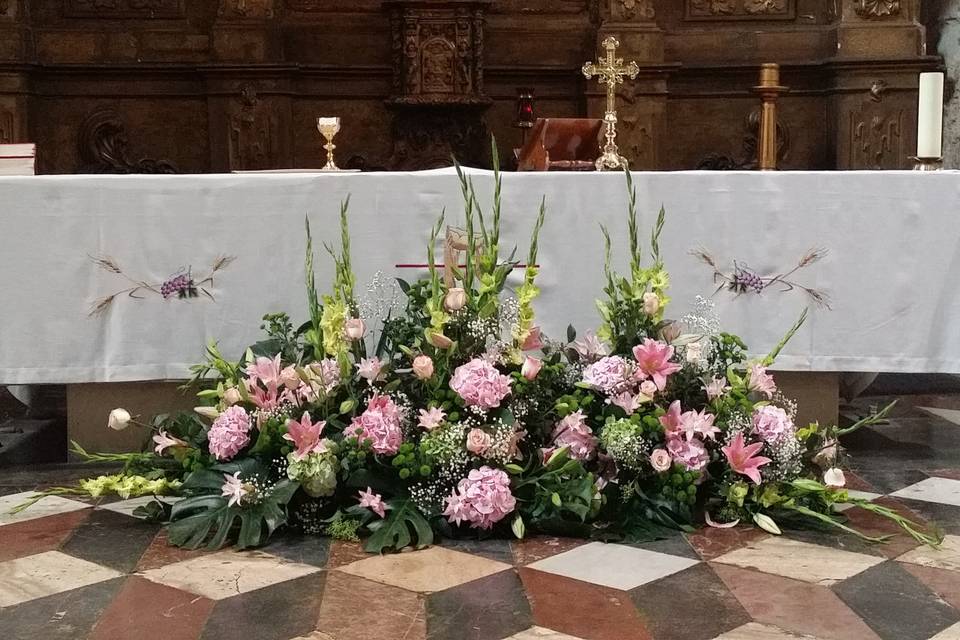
328 128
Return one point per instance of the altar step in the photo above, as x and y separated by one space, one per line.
25 441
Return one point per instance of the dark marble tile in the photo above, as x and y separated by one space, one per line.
68 616
837 539
943 582
493 549
41 534
386 612
342 553
536 548
278 612
710 543
486 609
152 611
675 545
895 604
945 516
665 604
794 606
314 550
111 539
581 609
887 475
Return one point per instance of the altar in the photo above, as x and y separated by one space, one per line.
70 243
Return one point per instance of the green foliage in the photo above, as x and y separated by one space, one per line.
403 526
561 490
206 517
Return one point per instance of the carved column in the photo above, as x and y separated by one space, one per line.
13 84
873 108
438 99
641 103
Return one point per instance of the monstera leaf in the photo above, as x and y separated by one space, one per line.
206 516
403 525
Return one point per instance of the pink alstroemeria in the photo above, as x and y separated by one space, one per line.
266 370
761 381
671 421
743 459
374 502
431 418
590 347
369 368
533 340
305 436
653 360
627 401
693 424
164 440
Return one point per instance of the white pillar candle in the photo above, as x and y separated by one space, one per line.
930 116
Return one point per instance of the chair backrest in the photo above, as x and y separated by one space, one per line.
18 159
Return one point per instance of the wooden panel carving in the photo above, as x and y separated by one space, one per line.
112 9
103 147
723 162
246 8
740 9
6 126
877 8
254 137
631 10
877 138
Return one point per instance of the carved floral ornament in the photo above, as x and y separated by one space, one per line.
633 9
756 9
877 8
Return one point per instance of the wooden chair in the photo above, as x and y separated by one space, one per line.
561 144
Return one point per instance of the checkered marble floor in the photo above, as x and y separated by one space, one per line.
72 569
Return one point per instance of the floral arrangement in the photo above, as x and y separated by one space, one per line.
443 410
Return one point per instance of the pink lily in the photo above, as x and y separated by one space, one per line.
653 358
693 423
164 440
743 459
533 340
374 502
266 370
305 435
671 422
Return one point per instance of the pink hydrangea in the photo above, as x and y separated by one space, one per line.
380 423
690 453
480 384
229 434
483 498
573 431
607 374
772 423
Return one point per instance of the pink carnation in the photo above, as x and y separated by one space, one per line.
690 453
483 498
573 432
381 424
607 374
772 423
480 384
229 434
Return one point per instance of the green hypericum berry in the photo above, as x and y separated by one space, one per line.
425 470
677 480
398 461
692 500
692 490
453 417
668 491
404 473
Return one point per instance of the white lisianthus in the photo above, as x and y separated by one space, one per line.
651 303
232 396
834 477
119 419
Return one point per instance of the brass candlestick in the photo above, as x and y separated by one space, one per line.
769 90
328 128
611 71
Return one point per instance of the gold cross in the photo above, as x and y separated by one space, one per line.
611 72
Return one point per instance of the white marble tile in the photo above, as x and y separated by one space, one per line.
127 507
428 570
46 574
613 565
862 495
228 573
946 557
950 415
942 490
757 631
950 633
46 506
800 560
540 633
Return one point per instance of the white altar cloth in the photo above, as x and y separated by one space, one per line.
892 270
